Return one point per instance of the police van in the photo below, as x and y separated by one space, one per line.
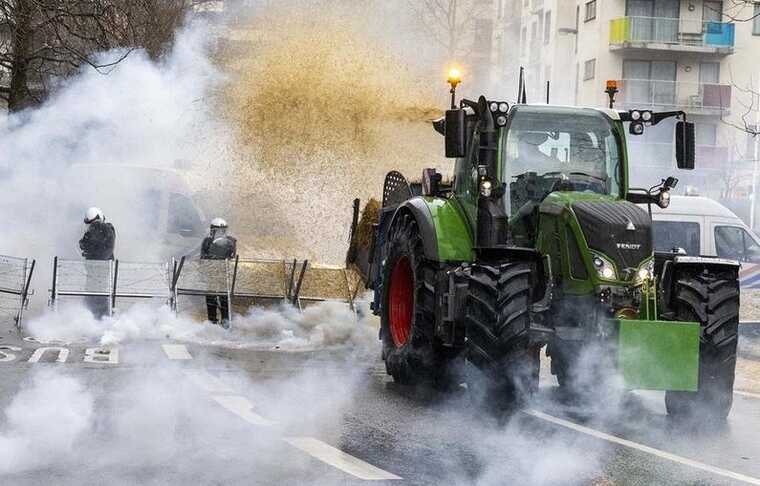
151 208
702 226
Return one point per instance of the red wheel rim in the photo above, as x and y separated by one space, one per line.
401 302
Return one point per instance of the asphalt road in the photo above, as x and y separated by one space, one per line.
160 412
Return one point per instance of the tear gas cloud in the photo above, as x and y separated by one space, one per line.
325 325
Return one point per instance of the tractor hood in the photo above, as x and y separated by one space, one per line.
619 229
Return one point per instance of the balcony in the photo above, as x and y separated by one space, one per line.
666 34
694 98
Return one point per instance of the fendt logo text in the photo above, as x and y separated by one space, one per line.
628 246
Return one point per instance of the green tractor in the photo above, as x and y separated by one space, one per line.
539 241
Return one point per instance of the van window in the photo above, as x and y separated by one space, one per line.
676 234
735 243
183 216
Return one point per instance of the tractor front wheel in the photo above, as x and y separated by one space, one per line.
712 299
497 324
411 352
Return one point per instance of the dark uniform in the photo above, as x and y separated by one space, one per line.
219 248
98 244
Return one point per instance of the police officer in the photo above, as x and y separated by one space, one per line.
218 245
97 243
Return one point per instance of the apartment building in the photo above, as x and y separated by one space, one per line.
699 56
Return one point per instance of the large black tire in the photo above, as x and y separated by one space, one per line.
413 355
497 326
712 299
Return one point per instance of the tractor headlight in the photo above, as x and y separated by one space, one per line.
604 268
646 272
494 107
486 188
503 107
664 200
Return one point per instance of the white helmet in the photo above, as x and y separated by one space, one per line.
218 223
218 228
93 214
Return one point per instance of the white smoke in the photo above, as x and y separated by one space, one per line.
44 421
325 325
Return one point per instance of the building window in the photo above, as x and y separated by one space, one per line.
547 27
756 20
712 11
590 10
589 69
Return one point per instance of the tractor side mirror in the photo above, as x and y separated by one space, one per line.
455 134
685 145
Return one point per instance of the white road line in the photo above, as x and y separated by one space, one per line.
640 447
747 394
207 382
62 354
339 459
176 351
243 408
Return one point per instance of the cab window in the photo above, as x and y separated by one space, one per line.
669 235
735 243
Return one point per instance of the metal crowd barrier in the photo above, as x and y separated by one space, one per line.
110 279
245 278
325 283
15 277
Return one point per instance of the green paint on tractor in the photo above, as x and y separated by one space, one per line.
451 230
659 355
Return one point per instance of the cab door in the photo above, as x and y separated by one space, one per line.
466 180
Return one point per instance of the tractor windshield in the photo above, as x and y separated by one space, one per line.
551 149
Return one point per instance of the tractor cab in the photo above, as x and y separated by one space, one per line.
548 149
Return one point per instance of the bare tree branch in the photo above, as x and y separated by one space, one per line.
42 40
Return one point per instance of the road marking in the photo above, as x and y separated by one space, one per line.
640 447
5 356
101 355
339 459
747 394
62 354
176 351
243 408
207 382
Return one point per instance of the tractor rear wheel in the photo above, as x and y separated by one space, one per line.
411 352
712 299
497 326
